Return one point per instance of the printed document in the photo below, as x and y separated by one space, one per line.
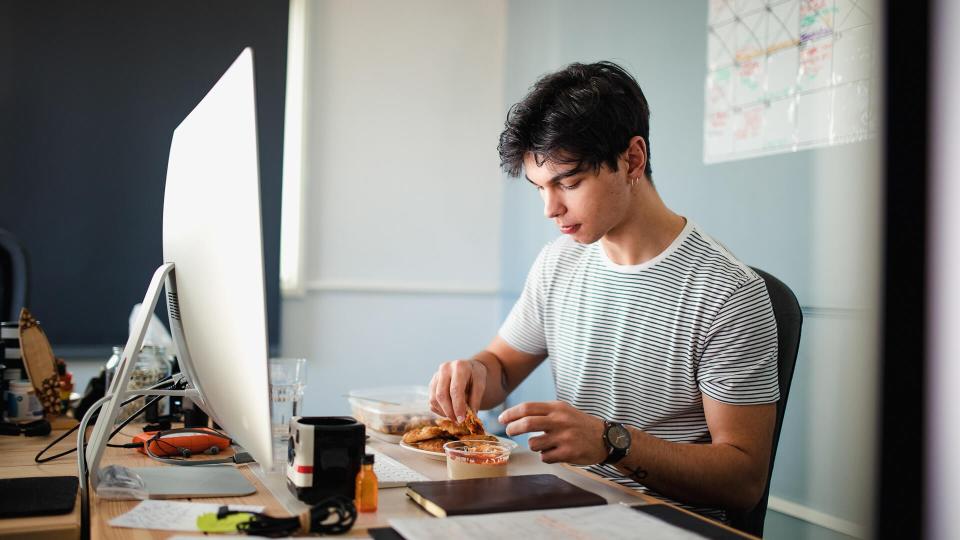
610 522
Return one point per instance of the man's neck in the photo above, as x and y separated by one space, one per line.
646 233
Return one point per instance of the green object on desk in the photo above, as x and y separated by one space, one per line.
209 523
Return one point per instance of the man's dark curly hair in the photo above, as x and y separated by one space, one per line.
584 114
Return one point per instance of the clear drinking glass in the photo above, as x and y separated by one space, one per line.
288 377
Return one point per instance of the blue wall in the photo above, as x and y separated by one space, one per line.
756 207
807 217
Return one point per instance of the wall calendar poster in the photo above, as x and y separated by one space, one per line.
787 75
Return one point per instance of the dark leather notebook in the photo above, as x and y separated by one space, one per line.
38 496
503 494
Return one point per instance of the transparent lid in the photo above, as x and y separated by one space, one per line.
392 399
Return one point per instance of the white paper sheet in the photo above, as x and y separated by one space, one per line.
610 522
171 515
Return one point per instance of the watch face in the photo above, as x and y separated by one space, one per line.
618 436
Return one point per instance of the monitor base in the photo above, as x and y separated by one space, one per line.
194 482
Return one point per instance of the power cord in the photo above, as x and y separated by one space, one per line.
164 383
333 515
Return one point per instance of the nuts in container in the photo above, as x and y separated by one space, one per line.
389 412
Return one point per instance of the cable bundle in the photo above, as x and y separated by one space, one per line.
333 515
166 382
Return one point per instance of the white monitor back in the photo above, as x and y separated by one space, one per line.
212 234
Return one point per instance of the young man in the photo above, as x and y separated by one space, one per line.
663 345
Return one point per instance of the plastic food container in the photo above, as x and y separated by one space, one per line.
389 412
476 459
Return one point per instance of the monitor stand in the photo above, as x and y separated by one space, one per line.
163 481
172 482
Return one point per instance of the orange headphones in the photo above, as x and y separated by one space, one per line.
180 444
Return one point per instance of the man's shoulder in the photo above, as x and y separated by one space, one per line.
708 256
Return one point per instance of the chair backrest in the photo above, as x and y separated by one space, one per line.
13 277
786 310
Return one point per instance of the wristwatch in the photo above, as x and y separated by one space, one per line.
617 440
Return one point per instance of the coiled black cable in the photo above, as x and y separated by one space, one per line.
333 515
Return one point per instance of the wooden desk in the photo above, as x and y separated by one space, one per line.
16 461
272 492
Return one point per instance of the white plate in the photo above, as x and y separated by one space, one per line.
440 456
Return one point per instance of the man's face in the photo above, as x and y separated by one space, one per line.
588 204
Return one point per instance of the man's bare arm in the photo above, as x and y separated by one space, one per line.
730 472
506 369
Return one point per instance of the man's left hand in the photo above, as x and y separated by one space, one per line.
569 435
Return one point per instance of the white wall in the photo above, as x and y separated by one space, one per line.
402 194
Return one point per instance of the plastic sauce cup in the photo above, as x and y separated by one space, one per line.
476 459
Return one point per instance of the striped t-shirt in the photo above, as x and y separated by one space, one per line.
641 344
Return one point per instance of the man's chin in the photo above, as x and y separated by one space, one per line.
584 239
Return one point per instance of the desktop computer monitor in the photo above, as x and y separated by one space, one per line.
213 253
212 234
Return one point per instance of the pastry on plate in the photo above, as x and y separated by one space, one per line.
422 434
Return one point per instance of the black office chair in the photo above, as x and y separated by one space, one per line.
13 276
786 310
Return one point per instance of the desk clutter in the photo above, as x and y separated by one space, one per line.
35 384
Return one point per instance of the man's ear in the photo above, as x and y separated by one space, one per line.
636 157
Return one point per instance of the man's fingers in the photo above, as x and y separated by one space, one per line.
459 383
528 424
541 443
442 395
530 408
554 455
434 404
456 386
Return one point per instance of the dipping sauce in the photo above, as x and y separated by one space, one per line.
476 459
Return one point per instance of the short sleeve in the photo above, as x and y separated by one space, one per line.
739 362
523 329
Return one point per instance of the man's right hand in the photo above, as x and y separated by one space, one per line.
457 385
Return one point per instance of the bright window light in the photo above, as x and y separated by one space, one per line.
291 213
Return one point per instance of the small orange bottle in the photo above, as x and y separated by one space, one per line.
366 489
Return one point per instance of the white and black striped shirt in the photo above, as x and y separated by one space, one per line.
641 344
